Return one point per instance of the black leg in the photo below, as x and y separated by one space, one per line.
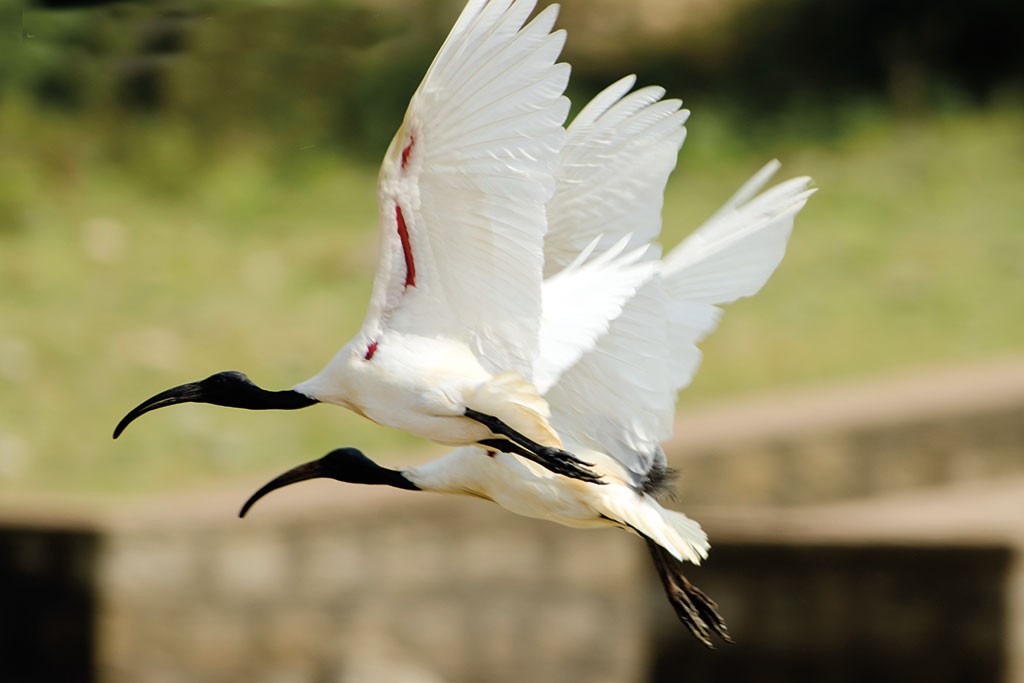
506 446
695 609
553 459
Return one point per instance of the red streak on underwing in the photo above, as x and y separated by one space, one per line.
403 234
370 350
407 151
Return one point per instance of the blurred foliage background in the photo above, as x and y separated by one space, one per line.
188 186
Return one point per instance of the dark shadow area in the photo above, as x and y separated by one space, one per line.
346 70
842 614
47 605
777 51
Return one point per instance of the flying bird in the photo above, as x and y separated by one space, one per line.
618 334
522 309
449 341
615 403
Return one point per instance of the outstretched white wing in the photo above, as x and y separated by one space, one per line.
620 397
618 154
610 183
729 257
463 187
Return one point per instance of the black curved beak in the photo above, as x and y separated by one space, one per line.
185 393
229 388
310 470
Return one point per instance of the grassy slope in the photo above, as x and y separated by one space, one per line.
910 254
116 284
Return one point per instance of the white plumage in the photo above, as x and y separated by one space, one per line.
462 194
521 304
450 339
613 402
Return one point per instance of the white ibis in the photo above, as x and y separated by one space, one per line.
614 403
449 342
482 195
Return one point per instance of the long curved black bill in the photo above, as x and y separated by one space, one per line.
310 470
185 393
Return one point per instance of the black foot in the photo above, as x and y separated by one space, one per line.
695 609
551 460
566 464
554 459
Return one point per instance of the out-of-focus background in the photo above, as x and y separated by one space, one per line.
188 186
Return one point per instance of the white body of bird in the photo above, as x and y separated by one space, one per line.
646 353
423 385
528 489
483 195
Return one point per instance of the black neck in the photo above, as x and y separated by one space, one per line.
394 478
344 464
231 389
234 390
252 397
351 466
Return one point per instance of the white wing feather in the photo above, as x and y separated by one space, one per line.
620 397
614 398
463 187
735 251
579 303
618 154
610 182
730 256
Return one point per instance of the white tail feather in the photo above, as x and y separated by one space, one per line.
691 542
675 532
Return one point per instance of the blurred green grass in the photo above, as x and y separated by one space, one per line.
123 275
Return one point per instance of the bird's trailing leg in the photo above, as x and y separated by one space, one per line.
506 446
697 611
553 459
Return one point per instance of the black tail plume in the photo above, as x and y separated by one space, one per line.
695 609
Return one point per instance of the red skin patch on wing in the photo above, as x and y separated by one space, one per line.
370 350
403 234
407 151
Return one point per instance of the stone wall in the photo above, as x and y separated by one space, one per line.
328 583
855 440
375 586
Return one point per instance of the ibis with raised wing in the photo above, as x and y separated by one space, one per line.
522 309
